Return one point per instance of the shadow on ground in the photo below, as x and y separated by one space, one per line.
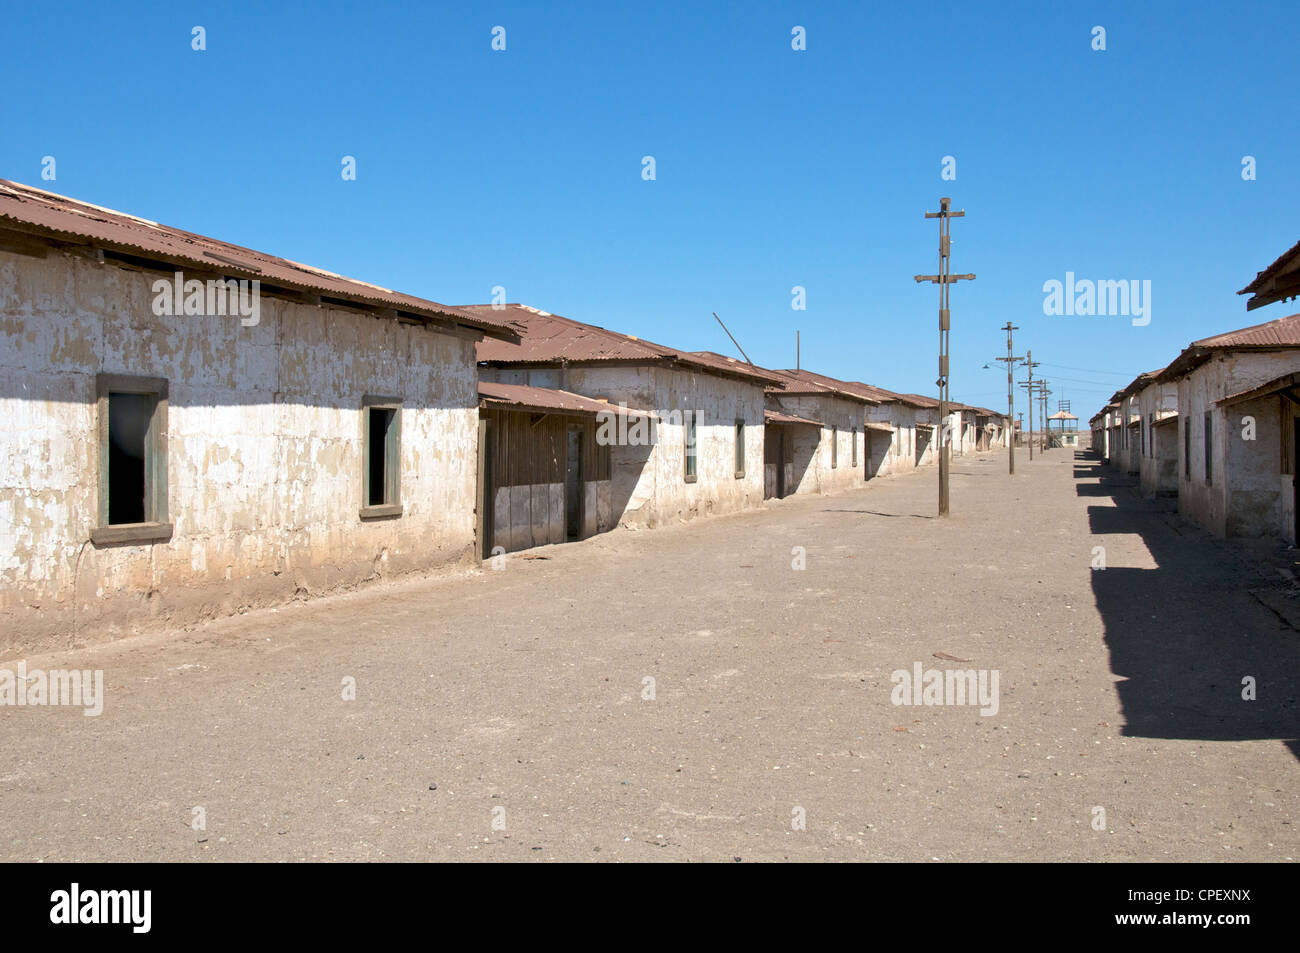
1185 634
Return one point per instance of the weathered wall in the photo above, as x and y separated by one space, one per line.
1243 497
901 448
648 487
720 401
1157 447
813 472
529 456
264 452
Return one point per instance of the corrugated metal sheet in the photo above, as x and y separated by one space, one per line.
1280 333
878 426
854 389
1283 332
773 417
918 400
58 217
546 338
1280 281
524 396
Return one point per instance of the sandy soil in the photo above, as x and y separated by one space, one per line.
520 694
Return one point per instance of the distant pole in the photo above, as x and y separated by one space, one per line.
796 351
1030 363
1011 407
1043 393
943 279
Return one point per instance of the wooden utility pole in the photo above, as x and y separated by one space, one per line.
943 279
1043 393
1011 409
1030 363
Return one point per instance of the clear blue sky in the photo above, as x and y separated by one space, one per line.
775 168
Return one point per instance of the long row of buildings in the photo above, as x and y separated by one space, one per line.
1219 426
192 427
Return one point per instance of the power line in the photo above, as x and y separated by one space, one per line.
1089 370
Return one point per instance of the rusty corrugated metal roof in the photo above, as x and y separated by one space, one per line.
1280 281
776 417
527 397
546 338
854 389
57 217
1281 332
796 383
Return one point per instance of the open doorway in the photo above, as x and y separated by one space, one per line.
573 484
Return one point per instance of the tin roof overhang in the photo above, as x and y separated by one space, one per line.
776 417
548 400
1287 384
1280 281
57 219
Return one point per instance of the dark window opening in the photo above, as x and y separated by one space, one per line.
689 431
381 456
129 416
1209 454
1187 448
740 449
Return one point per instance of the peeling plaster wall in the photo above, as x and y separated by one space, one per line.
1158 467
812 468
1247 484
901 456
648 486
264 452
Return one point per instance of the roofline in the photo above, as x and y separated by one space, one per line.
212 265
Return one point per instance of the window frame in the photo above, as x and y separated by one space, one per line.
690 447
392 506
740 448
1208 435
156 526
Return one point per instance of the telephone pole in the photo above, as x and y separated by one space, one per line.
1030 363
1043 394
1011 409
943 279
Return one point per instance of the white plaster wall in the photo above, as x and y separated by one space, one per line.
813 444
1157 468
901 455
648 486
264 451
1242 498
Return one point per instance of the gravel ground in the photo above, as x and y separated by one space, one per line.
519 694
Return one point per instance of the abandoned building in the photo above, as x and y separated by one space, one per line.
1239 416
1220 425
828 449
545 465
199 427
1155 403
704 452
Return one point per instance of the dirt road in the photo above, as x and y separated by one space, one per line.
522 694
